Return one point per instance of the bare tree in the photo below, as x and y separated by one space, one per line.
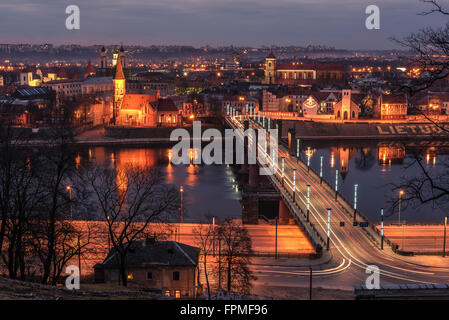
204 237
430 48
236 252
129 200
56 172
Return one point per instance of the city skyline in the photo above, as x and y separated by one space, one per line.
246 23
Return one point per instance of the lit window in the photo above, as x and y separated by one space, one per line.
178 294
130 276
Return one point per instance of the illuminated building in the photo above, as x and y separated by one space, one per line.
167 266
346 109
393 107
433 103
296 73
319 102
131 109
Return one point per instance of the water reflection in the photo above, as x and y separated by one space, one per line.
208 190
374 166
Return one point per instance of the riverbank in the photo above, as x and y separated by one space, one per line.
419 239
311 130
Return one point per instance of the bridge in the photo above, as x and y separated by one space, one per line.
328 220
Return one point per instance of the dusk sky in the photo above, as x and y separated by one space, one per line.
338 23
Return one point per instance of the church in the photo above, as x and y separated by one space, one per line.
298 73
140 110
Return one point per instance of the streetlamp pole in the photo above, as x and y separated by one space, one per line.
297 148
310 284
321 169
444 243
328 228
356 186
294 184
336 185
382 229
219 263
308 201
283 169
181 190
401 192
69 188
213 235
308 159
276 240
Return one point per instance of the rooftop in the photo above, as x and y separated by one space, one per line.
159 253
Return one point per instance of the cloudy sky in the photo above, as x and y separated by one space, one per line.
338 23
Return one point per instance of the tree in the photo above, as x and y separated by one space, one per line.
129 200
236 251
56 171
204 237
430 47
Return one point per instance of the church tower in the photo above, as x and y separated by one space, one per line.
103 59
346 104
119 89
122 54
270 69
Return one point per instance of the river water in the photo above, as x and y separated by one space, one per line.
209 191
374 166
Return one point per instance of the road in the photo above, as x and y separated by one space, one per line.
352 249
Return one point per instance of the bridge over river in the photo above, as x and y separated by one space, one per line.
328 220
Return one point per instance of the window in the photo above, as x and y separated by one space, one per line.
130 276
178 294
176 275
149 275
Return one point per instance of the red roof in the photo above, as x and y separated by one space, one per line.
136 101
166 105
394 99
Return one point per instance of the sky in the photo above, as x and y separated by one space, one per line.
337 23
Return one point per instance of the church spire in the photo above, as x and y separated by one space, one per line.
119 70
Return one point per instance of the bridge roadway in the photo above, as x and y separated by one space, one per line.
352 248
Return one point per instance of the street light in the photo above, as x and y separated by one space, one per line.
276 240
336 184
328 228
308 201
356 186
181 190
294 184
321 169
297 148
444 244
283 168
308 159
69 188
382 229
401 193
